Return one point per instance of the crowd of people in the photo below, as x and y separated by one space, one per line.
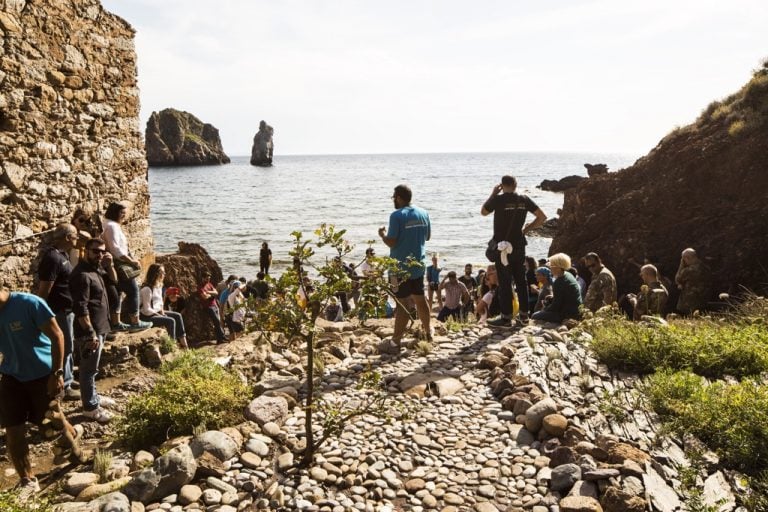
88 289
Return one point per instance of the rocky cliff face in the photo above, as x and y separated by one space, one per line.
703 186
179 138
69 131
184 270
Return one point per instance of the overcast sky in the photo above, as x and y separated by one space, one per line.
403 76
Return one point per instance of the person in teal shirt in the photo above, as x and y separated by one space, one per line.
31 374
407 234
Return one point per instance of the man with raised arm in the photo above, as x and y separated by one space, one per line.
509 229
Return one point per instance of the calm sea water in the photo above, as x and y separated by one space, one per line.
232 209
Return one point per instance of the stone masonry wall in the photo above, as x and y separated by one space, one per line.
69 126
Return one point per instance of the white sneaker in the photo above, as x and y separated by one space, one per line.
27 487
105 401
98 414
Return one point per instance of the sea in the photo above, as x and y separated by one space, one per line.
231 209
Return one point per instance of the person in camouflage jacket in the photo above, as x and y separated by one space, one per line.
652 297
693 281
602 289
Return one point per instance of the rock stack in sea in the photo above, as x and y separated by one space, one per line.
489 421
177 138
69 137
263 146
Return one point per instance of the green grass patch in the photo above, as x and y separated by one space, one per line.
731 418
706 347
10 502
191 390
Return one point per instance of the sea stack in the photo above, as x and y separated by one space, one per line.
176 138
261 153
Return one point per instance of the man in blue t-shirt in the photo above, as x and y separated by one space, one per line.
31 374
406 237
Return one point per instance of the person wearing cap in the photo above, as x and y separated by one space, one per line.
173 300
456 297
53 287
152 309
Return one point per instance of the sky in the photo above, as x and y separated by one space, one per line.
422 76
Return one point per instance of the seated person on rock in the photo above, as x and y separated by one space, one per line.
566 295
456 296
602 289
173 300
152 308
651 299
488 305
692 280
544 280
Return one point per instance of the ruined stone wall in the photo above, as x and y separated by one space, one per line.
69 126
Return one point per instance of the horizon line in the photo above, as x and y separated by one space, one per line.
406 153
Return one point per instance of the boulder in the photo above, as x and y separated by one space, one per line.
175 138
166 476
265 409
616 500
555 424
536 413
562 184
580 504
685 190
596 169
563 477
430 384
183 270
263 146
217 443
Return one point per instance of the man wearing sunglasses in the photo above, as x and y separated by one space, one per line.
91 308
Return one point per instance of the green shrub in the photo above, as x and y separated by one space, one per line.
9 502
167 344
708 348
191 390
732 419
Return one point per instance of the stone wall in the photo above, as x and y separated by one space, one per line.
69 126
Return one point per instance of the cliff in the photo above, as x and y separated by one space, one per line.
69 131
174 137
703 186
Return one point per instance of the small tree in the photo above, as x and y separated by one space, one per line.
299 296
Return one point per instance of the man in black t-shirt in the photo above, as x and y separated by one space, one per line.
53 286
509 229
471 285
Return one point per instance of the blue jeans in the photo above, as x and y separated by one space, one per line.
172 322
213 313
89 367
131 290
66 323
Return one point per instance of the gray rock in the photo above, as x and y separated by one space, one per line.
535 414
112 502
265 409
215 442
563 477
258 447
718 493
662 496
166 476
189 494
583 488
76 482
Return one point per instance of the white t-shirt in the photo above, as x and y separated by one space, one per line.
114 239
151 300
236 298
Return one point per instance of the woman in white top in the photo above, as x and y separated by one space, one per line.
235 306
152 306
117 245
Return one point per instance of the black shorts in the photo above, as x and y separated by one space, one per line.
23 401
434 286
410 287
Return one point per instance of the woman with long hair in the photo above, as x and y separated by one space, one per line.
152 309
117 245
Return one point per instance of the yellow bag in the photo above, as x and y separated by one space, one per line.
515 304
